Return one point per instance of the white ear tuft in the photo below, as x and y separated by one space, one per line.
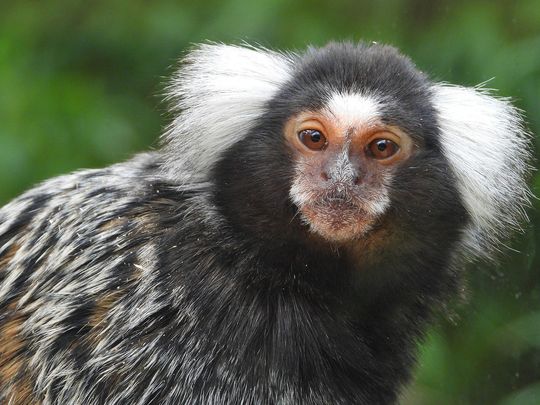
489 150
220 91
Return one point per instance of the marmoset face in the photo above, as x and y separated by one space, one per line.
345 158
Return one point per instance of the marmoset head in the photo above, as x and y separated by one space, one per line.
350 144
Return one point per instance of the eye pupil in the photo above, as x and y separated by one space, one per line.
382 148
312 139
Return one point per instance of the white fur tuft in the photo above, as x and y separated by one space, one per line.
220 92
488 148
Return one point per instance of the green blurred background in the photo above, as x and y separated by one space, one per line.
80 86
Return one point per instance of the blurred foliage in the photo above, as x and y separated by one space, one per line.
80 87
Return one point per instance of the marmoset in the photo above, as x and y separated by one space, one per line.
305 217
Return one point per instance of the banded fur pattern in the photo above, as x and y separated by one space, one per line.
71 249
137 291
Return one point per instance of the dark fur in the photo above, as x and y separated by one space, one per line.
235 303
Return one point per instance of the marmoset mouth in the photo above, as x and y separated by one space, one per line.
337 220
339 205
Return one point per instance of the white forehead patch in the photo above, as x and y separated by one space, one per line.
354 109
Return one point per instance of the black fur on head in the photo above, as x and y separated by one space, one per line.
253 178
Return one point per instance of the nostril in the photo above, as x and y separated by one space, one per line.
325 176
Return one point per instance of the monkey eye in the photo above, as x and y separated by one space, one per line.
313 139
382 148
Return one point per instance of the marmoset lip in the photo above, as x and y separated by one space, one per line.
337 222
342 208
338 203
335 205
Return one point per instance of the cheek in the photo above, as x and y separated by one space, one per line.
307 181
375 190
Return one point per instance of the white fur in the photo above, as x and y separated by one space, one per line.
353 109
221 90
488 149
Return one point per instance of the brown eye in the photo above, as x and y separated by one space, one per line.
312 138
382 148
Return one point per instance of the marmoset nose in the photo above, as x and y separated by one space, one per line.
343 172
354 179
342 168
